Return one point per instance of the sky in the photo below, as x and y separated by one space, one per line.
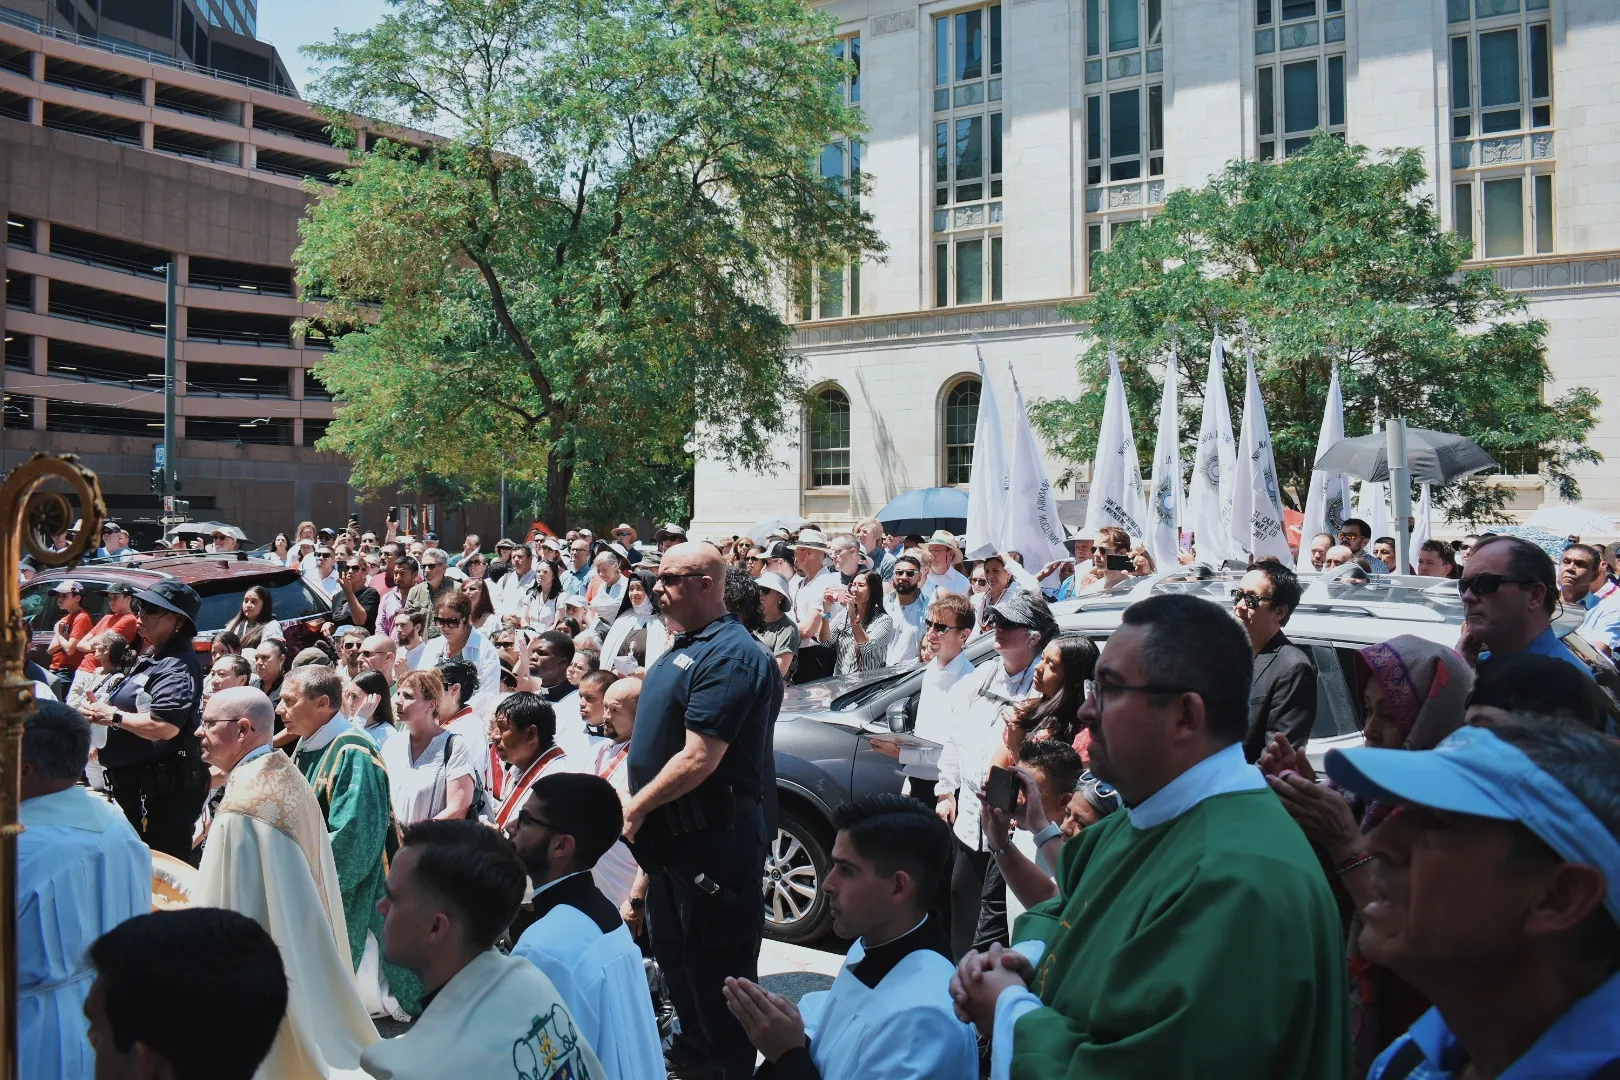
290 24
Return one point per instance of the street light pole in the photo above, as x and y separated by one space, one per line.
171 447
1400 491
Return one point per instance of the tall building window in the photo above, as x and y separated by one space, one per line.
1299 80
1124 70
1502 144
961 420
969 128
829 438
832 292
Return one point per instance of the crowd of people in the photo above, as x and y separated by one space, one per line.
502 780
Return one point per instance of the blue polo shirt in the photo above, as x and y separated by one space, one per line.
1578 1044
1547 643
715 681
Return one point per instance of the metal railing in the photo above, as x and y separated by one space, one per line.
135 52
240 337
294 174
94 133
87 87
101 318
293 133
137 267
205 281
181 150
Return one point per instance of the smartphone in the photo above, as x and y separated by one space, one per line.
1001 789
393 513
1120 562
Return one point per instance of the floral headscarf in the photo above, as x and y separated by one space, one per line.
1425 684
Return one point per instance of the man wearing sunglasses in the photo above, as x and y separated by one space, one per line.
1283 695
1509 593
906 607
947 625
1195 935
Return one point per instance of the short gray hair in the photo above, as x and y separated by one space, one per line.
317 680
56 741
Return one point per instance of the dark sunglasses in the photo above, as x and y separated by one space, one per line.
905 573
995 621
1244 596
452 623
943 628
1485 584
670 580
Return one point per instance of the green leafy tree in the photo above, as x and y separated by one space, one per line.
580 285
1329 257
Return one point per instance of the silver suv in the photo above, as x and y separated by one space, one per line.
823 758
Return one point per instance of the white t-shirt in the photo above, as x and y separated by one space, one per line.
950 581
934 715
811 594
418 788
615 871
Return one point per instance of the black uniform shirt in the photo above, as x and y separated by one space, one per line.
173 678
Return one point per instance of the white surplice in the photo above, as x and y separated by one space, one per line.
81 870
269 857
497 1017
904 1028
600 974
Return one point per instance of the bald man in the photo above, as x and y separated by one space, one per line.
268 857
380 653
699 767
615 871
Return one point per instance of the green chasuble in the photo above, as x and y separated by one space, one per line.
352 785
1205 947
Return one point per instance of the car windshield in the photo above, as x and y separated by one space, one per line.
292 598
864 693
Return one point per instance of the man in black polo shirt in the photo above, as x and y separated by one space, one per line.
697 770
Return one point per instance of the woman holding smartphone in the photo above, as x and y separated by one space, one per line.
859 630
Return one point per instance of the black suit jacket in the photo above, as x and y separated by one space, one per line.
1282 696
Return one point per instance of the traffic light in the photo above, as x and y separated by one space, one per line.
157 479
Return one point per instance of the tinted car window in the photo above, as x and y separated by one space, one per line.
1337 710
290 600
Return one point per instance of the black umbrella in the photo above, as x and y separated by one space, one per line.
1433 456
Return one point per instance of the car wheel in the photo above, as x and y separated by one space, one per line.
795 866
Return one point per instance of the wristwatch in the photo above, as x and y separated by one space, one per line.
117 720
1052 829
637 903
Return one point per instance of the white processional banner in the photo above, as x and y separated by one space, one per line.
1164 515
1031 525
1257 508
1209 499
987 488
1328 502
1116 476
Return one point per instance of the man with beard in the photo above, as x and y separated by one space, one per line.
569 822
615 871
905 606
1193 935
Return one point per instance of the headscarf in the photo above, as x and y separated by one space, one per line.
1426 686
650 609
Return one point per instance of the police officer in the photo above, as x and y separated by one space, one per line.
695 819
151 757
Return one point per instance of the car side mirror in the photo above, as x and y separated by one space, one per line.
897 716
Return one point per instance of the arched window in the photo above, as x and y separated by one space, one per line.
829 438
961 417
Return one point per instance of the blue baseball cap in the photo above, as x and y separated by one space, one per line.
1475 772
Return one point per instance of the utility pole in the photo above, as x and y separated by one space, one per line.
166 469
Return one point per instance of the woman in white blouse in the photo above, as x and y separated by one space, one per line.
430 770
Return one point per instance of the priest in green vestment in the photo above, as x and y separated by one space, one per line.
1194 935
343 767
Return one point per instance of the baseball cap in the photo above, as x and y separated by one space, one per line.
172 596
779 549
110 527
670 531
120 588
1474 772
68 585
1026 610
503 544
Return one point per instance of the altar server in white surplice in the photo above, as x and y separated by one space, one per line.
578 939
889 1014
453 889
81 871
269 857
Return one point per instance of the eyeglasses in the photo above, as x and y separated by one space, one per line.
473 562
431 565
1253 599
621 532
452 623
1102 692
905 573
1349 535
1485 584
352 567
669 580
526 818
353 646
940 628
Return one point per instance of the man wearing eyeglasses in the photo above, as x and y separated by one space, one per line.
325 575
699 768
356 603
1355 534
947 625
979 708
1282 697
1509 593
426 593
1194 934
577 574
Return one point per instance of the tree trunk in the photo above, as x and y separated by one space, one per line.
559 478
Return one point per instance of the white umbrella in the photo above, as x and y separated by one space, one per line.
1566 519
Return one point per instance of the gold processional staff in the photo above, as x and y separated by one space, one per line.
32 519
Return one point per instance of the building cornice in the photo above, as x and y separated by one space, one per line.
1537 276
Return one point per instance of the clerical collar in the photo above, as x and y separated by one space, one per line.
256 752
578 890
1222 773
556 693
879 960
329 731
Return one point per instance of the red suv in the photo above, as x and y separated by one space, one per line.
220 580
